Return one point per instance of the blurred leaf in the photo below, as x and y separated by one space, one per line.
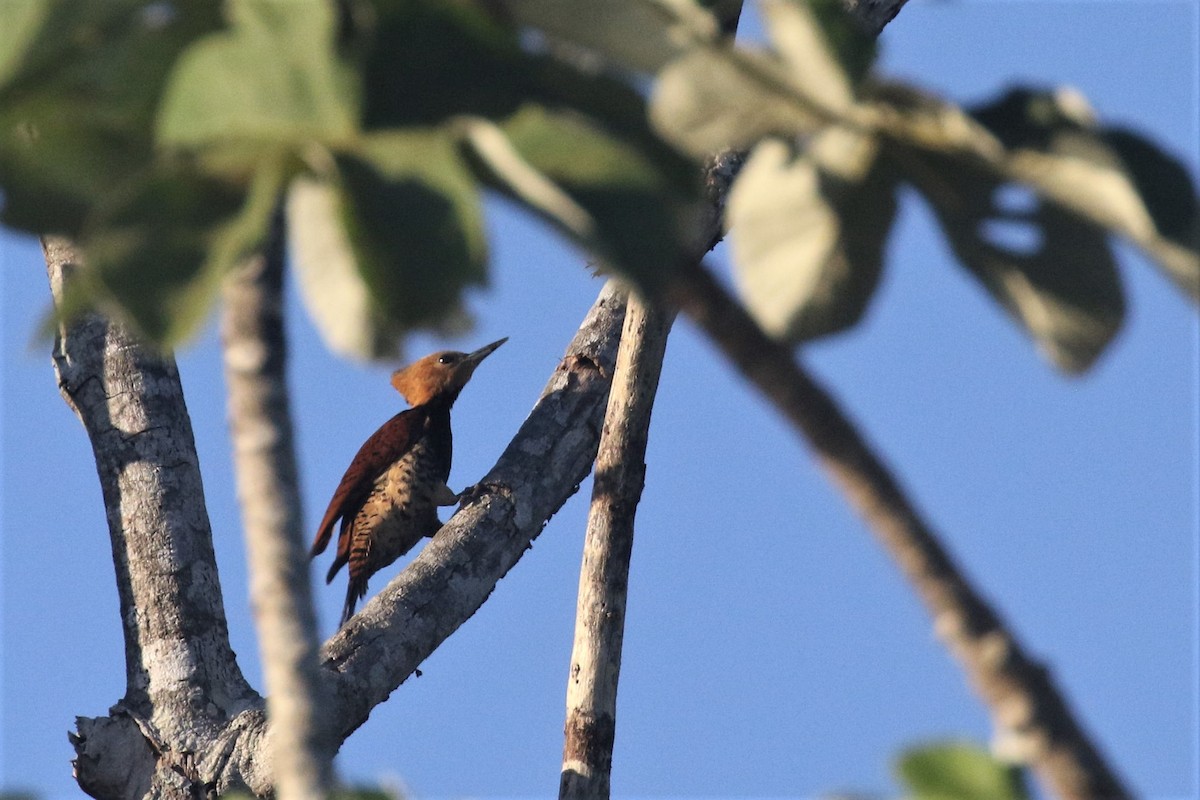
21 23
428 60
802 44
852 47
809 232
706 103
326 267
388 242
1051 134
1061 284
632 34
602 191
431 61
160 246
957 771
615 108
274 77
77 104
418 213
1116 177
354 793
1163 183
1170 197
360 793
715 97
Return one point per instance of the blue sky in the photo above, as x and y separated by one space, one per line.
771 648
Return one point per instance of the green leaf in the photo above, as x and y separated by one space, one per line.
809 232
159 247
1114 176
1062 286
603 191
273 78
418 213
706 101
806 51
78 101
326 267
715 97
387 241
852 47
629 34
959 771
1167 191
21 23
1161 181
427 60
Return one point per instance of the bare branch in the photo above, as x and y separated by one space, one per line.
608 545
217 741
1027 709
873 15
260 421
183 683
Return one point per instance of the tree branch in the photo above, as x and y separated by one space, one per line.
255 354
608 545
190 723
1026 707
873 15
456 571
183 683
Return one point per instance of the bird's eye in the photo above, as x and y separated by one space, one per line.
447 358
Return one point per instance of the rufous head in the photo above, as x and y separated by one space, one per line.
444 373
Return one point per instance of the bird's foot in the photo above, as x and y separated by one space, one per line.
476 491
445 496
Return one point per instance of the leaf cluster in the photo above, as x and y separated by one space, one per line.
959 771
162 135
1028 188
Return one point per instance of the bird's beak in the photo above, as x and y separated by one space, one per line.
479 355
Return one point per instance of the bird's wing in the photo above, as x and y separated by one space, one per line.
383 447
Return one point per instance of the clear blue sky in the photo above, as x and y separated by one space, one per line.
771 648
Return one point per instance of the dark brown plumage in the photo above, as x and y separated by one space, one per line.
387 500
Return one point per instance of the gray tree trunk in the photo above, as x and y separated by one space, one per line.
189 724
183 685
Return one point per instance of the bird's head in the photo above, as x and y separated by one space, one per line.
444 373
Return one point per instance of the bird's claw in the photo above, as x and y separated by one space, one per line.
445 496
475 492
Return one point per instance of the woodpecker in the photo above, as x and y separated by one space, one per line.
387 500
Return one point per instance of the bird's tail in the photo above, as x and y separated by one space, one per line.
355 591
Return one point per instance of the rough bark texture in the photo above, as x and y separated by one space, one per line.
183 684
260 422
189 725
1031 716
604 577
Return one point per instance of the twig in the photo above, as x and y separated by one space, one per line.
255 353
1024 702
604 577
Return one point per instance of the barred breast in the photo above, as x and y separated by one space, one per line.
398 513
